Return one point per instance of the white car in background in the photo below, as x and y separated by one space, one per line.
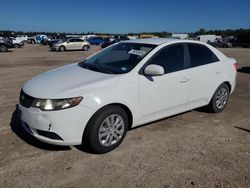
71 44
24 38
17 42
125 85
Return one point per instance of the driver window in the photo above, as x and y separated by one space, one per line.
171 58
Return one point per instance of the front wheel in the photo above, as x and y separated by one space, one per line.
219 100
62 49
229 45
3 48
106 129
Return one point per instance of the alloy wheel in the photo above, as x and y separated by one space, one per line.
221 98
111 130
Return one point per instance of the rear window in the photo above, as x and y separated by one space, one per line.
201 55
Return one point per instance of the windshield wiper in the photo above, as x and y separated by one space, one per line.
94 67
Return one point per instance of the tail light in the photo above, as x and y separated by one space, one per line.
235 66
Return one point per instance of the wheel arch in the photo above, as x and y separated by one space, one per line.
228 85
124 107
225 82
63 47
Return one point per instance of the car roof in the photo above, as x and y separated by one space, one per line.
159 41
155 41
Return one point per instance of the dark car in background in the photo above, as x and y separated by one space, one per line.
53 41
239 40
5 44
117 39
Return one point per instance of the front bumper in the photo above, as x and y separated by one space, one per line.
63 127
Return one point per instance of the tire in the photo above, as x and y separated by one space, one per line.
219 100
32 42
16 46
3 48
106 129
230 45
85 48
61 48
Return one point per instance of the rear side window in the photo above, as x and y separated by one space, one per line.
72 40
170 58
201 55
78 40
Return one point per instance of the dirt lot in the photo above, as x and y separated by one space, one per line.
194 149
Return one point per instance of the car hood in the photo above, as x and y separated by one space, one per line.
67 81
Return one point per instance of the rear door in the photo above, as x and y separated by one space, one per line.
206 74
78 44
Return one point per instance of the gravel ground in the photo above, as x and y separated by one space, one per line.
194 149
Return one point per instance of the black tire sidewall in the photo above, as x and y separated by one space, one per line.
214 108
3 48
62 49
94 124
85 48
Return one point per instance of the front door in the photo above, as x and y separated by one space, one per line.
162 96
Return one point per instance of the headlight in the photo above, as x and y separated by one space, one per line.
55 104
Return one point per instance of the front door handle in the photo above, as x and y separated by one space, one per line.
184 80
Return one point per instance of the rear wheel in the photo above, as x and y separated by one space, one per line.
106 129
62 49
219 100
16 45
3 48
229 45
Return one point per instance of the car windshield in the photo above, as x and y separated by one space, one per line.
64 40
117 59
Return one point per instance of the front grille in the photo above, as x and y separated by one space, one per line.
25 100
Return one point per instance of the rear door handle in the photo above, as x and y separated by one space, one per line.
184 80
218 72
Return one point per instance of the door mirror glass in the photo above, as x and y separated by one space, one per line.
154 70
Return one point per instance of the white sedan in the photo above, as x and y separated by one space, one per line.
123 86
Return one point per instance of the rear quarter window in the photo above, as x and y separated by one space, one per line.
200 55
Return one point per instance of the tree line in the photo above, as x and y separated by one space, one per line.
163 34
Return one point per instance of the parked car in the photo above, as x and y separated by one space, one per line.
71 44
239 40
208 38
126 85
95 40
37 39
5 44
108 43
17 42
23 38
53 41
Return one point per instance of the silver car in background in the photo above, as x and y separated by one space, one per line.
71 44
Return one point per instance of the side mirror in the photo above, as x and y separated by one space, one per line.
154 70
